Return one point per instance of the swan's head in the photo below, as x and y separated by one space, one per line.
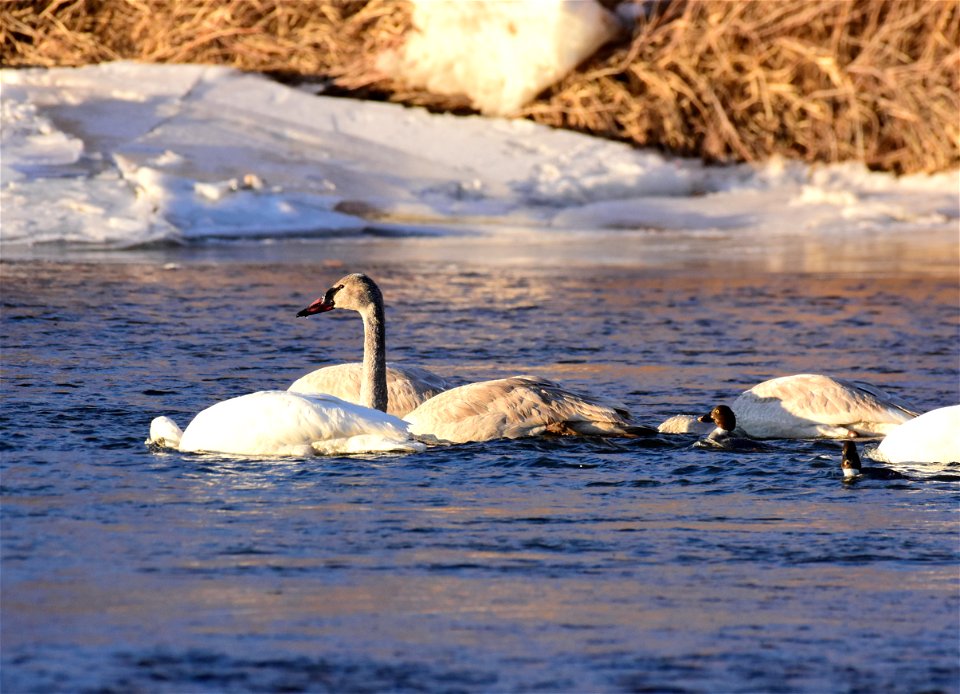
722 416
850 461
355 292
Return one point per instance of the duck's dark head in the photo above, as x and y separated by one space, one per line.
722 416
850 460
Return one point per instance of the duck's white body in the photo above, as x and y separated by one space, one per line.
407 386
817 406
684 424
513 408
933 437
728 440
280 423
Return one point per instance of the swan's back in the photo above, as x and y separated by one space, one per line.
814 405
276 422
933 437
512 408
407 386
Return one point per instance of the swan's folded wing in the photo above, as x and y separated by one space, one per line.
340 380
787 405
410 386
407 386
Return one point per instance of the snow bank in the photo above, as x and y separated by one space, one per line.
124 154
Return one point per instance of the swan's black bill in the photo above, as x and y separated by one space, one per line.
323 304
319 306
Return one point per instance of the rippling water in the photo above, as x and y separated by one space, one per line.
543 565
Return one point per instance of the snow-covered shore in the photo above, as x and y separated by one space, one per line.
125 154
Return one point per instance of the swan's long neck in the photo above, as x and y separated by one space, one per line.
373 380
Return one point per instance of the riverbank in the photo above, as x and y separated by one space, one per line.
818 81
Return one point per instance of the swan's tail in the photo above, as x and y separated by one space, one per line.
164 433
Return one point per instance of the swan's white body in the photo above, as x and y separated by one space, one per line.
817 406
407 386
933 437
513 408
279 423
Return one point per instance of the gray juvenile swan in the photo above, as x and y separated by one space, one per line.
500 408
405 386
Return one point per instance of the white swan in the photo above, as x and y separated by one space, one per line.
501 408
277 422
407 386
817 406
400 389
933 437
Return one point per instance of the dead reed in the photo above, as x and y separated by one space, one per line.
876 81
818 80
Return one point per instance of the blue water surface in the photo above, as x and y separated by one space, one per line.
554 565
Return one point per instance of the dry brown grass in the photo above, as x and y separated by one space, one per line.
291 37
829 80
819 80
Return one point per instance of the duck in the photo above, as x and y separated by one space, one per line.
726 434
512 407
853 470
933 437
284 423
818 406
